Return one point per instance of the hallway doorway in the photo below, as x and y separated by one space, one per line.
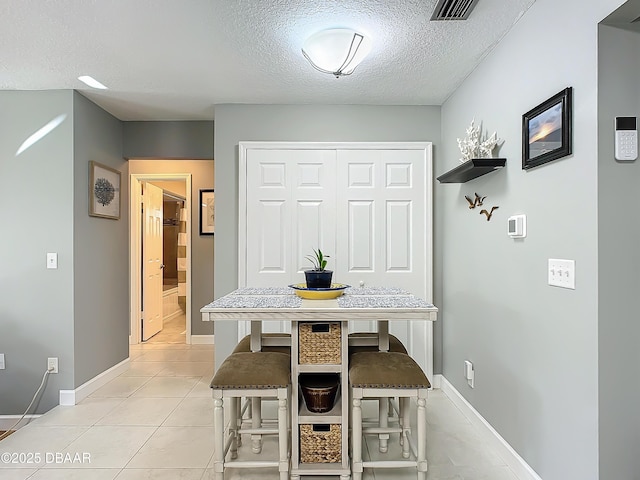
160 283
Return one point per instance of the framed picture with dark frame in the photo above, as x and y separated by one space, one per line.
207 218
104 191
546 130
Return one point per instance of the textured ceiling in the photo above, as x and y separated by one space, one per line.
176 59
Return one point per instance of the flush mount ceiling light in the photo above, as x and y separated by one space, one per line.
92 82
337 51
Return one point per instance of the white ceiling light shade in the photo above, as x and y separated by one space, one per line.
337 51
92 82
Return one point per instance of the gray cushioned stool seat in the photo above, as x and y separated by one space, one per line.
244 345
395 345
385 370
246 370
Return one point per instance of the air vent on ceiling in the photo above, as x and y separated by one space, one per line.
453 9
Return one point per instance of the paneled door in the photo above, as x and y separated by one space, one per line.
367 205
152 263
382 223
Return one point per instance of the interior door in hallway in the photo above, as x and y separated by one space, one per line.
152 261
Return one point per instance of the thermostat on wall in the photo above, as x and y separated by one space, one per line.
517 226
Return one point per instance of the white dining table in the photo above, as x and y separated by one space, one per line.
379 304
258 304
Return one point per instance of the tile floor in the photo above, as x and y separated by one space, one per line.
155 422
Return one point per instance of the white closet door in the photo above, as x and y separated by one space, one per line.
290 211
382 219
368 206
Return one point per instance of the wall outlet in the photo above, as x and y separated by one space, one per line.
52 364
469 373
2 367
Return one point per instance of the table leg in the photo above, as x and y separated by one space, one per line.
256 335
383 335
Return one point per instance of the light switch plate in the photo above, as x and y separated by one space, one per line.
562 273
2 367
52 260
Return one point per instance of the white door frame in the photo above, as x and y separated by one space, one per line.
421 332
135 249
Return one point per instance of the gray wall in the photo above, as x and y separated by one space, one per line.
36 304
618 257
100 247
193 140
235 123
534 347
79 312
76 312
202 176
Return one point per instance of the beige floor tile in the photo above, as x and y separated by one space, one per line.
141 411
176 447
439 472
200 355
87 412
76 474
144 369
30 445
202 388
192 412
17 473
164 355
107 446
187 369
120 387
161 474
167 387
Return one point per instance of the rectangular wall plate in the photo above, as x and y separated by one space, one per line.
562 273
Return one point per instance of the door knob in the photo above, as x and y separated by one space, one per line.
161 266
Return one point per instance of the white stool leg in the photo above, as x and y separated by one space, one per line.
283 437
383 420
422 435
233 426
256 422
356 440
405 410
218 441
240 418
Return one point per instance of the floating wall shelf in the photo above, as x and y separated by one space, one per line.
471 169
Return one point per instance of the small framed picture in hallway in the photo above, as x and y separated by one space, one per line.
104 191
207 218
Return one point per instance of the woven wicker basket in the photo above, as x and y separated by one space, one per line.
319 343
320 443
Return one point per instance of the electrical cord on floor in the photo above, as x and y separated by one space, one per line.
9 430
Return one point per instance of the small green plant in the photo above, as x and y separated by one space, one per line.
318 260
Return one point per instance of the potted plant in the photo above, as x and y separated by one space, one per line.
318 277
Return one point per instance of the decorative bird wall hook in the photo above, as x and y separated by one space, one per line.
475 202
488 214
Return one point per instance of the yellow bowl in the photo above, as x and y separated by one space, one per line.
334 291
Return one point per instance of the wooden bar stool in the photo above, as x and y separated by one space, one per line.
389 374
247 374
385 406
252 408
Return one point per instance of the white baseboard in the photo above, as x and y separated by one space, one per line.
72 397
8 421
202 339
521 468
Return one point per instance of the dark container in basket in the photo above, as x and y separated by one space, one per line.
319 391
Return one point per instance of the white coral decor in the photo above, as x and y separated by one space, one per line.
474 146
